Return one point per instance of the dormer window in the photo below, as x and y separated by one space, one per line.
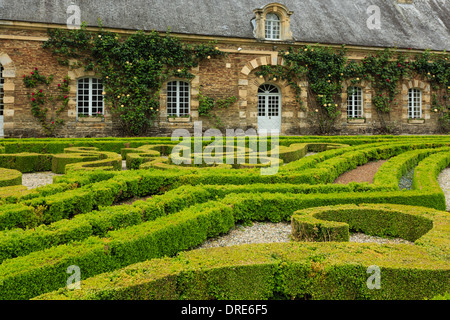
273 27
272 22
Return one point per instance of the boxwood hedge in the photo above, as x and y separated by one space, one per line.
80 220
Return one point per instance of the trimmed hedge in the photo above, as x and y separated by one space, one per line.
9 177
328 271
26 162
307 228
108 192
108 238
97 223
325 271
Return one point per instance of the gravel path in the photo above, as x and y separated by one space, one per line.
405 182
364 173
444 181
262 232
38 179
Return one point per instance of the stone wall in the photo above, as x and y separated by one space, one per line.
233 75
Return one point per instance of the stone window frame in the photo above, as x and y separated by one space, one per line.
366 99
260 21
9 76
194 86
425 89
74 75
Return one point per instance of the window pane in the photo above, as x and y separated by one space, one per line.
414 103
354 102
89 96
177 98
261 106
272 26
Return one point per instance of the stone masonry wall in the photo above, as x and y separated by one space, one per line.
234 75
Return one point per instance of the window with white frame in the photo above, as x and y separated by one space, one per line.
273 27
354 102
178 98
269 98
1 90
414 104
89 97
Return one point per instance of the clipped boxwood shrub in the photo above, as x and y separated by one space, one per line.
9 177
26 162
307 228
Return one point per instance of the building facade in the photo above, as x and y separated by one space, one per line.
252 33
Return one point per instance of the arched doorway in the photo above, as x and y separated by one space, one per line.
269 109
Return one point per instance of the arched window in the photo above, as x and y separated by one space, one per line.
354 102
178 98
414 104
273 27
269 99
272 22
89 96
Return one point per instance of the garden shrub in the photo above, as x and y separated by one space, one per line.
75 222
9 177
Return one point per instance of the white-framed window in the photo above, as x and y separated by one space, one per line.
273 27
354 102
414 103
2 81
89 96
269 98
178 98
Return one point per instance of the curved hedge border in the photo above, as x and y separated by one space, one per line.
54 206
244 207
26 162
9 177
296 270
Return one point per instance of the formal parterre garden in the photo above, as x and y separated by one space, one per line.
148 248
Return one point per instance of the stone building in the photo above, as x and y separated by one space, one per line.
252 32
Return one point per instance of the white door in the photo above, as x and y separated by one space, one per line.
269 109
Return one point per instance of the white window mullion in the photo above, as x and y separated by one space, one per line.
90 96
177 99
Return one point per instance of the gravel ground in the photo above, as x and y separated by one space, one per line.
262 232
38 179
364 173
405 182
444 181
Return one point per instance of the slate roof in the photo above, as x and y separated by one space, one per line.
424 24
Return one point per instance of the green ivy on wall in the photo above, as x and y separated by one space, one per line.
208 104
42 100
132 68
436 70
323 69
